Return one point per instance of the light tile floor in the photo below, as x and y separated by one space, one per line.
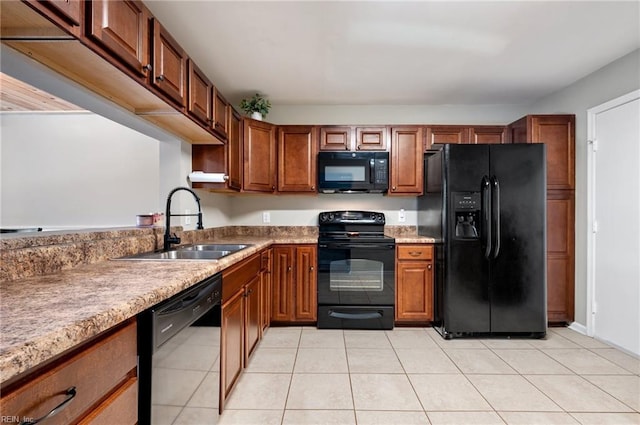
412 376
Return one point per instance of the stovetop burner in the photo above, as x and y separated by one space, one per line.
352 226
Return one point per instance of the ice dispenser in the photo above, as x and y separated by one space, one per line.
466 207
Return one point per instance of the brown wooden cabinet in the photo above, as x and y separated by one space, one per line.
294 284
103 372
200 102
488 134
265 288
259 156
234 146
297 151
407 175
240 328
371 138
122 27
335 138
69 10
253 300
446 134
557 133
414 283
169 65
220 113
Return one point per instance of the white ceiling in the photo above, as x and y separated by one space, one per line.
400 53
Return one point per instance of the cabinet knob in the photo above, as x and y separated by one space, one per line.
273 188
346 148
147 67
313 188
311 269
358 147
429 267
160 77
393 188
289 268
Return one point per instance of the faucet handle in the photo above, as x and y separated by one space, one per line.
173 239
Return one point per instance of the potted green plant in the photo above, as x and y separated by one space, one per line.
256 106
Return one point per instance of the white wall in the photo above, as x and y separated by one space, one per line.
614 80
75 170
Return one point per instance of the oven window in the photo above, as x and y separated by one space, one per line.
356 275
344 173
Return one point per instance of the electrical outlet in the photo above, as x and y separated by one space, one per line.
401 216
187 220
266 217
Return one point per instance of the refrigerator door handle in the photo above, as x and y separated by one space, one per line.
486 215
495 211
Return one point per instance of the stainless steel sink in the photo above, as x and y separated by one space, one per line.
215 247
202 252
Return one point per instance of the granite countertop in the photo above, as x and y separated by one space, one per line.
414 239
43 316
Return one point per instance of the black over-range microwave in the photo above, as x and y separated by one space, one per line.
352 172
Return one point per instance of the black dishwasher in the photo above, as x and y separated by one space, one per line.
179 349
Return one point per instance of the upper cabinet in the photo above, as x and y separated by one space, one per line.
341 138
480 134
220 114
122 28
69 10
335 138
407 176
259 151
557 133
200 94
169 64
297 152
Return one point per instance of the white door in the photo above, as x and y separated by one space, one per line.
614 240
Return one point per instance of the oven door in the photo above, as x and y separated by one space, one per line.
356 273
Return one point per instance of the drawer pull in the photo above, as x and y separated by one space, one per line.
415 253
70 393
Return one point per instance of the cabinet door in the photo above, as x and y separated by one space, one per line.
122 28
557 132
220 111
169 64
232 344
334 138
560 256
446 134
69 10
488 135
200 90
252 311
406 161
297 152
259 156
282 302
306 293
414 291
371 138
234 146
265 289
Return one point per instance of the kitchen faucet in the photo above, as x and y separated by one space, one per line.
174 239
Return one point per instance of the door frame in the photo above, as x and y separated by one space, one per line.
591 198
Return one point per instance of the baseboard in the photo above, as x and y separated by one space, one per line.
580 328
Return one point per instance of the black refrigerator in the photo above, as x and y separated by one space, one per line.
486 207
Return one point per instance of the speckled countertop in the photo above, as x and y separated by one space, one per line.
43 316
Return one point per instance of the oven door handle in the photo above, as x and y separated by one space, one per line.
356 316
356 246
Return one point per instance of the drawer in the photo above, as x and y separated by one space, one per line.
415 252
235 277
95 370
120 408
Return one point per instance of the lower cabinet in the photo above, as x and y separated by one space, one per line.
265 289
99 380
240 329
295 298
414 283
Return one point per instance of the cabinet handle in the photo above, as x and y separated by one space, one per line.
70 393
160 77
358 147
289 268
311 269
415 253
147 67
346 148
313 188
429 267
393 188
273 188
